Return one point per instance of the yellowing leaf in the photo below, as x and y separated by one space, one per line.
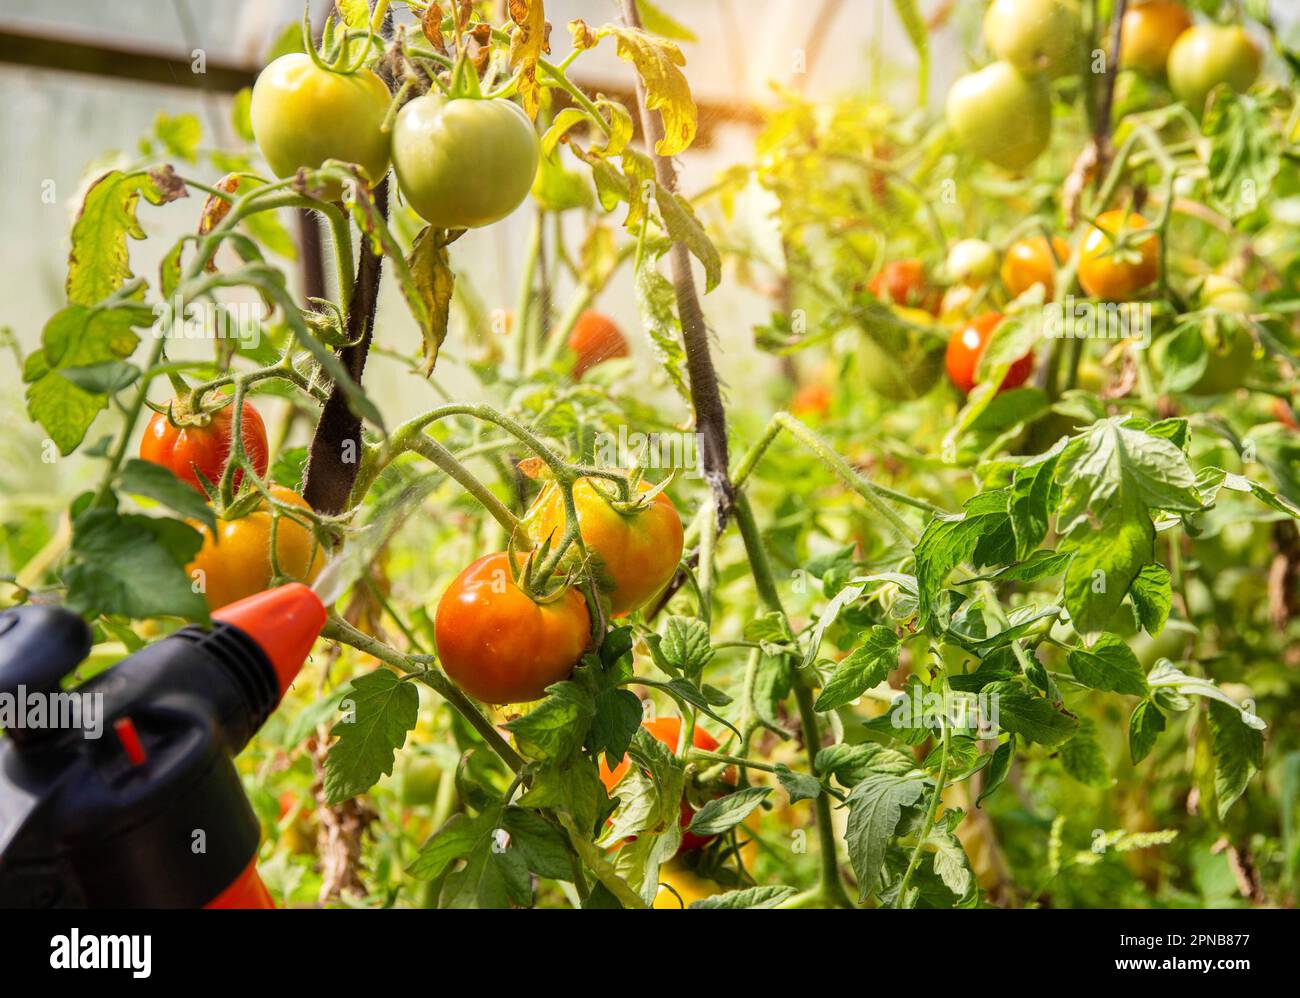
666 90
528 42
434 281
99 263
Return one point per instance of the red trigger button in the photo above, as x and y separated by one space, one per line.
130 739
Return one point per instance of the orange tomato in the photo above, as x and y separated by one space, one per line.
595 339
1114 272
1149 32
237 561
811 401
1033 261
639 548
498 644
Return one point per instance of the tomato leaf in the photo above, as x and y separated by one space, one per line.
132 565
433 281
1144 727
864 667
153 481
683 227
1082 758
875 808
1108 665
949 539
797 786
1031 717
686 646
1152 597
656 303
728 811
528 42
615 722
381 708
455 840
557 726
544 847
750 898
98 263
1238 753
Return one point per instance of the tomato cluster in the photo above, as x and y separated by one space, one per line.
502 644
304 114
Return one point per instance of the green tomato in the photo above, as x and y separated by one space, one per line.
972 261
1226 295
464 163
421 777
303 115
1035 36
1000 115
1228 364
1210 54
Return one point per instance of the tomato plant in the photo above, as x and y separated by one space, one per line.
1029 643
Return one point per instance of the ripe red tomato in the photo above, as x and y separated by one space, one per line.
669 731
500 646
595 339
639 549
1149 32
237 562
903 282
1031 261
1116 273
202 447
967 346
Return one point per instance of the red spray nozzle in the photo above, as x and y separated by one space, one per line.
284 622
